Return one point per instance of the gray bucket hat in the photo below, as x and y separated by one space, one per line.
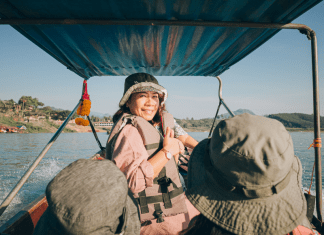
139 82
246 178
89 197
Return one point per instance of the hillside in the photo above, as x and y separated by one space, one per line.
296 120
43 126
292 121
38 118
205 124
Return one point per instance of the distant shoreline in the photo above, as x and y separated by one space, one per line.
202 129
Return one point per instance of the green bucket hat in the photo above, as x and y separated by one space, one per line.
89 197
246 178
141 82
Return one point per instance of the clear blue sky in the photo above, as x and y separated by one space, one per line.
276 78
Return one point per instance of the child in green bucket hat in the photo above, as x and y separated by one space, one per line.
247 180
89 197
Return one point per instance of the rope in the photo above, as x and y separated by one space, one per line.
317 143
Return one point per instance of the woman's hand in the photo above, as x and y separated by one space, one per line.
169 135
171 144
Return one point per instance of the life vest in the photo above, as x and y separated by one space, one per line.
166 197
301 230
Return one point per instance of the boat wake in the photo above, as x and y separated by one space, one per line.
34 187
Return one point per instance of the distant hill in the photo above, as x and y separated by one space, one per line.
292 121
206 123
55 109
296 120
237 112
99 115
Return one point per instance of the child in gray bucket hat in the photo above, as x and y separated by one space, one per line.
247 180
89 197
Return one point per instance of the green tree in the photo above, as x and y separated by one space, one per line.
11 103
26 101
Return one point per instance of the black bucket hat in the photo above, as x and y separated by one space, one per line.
246 178
89 197
139 82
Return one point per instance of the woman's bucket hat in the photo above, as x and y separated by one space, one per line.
246 178
89 197
141 82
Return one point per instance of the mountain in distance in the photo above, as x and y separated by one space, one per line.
56 109
237 112
99 115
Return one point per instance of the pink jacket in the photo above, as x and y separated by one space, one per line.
131 157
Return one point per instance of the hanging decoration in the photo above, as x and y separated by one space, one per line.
81 122
84 108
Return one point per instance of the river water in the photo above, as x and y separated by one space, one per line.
18 151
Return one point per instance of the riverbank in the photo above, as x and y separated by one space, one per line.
45 126
207 129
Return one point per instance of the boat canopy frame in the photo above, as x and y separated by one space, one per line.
311 35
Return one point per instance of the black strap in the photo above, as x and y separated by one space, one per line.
164 183
162 179
159 198
152 146
142 201
158 213
95 134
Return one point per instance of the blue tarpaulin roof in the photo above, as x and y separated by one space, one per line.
98 50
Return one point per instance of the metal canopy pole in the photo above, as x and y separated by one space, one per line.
221 97
317 128
23 179
153 22
221 101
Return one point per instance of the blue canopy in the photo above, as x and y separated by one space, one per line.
97 50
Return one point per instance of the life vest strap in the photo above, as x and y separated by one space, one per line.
159 198
143 202
152 146
158 213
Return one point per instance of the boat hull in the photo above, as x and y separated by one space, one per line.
24 222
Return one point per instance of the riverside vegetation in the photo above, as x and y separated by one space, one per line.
292 121
29 113
27 108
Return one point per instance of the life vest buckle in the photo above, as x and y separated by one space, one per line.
165 181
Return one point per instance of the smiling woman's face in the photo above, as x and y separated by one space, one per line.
144 104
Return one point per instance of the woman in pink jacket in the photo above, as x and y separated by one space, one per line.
145 144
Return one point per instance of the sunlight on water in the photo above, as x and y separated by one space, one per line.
49 170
